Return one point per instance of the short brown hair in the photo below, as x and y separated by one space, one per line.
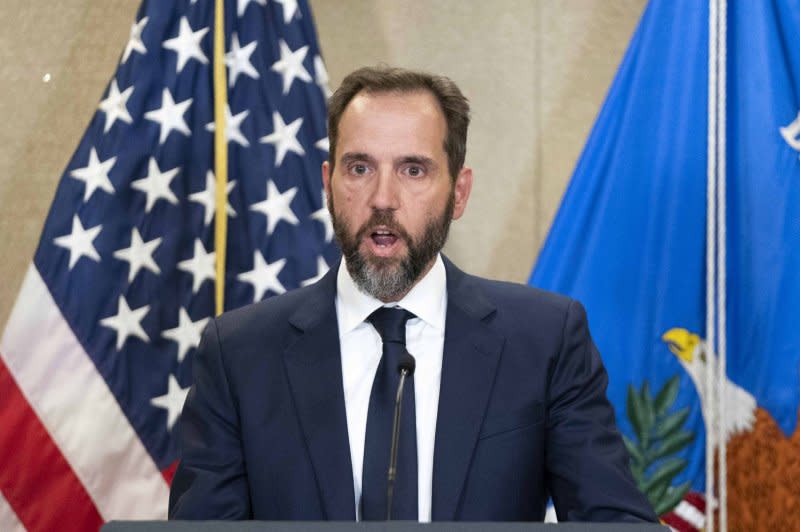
452 101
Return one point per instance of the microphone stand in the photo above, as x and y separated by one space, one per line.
406 368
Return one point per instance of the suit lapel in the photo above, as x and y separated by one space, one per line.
314 370
471 354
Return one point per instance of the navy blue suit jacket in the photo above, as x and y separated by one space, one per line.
522 413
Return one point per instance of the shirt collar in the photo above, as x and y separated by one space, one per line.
427 299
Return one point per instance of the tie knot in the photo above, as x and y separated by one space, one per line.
390 322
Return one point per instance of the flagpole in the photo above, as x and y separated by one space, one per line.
220 154
721 265
711 213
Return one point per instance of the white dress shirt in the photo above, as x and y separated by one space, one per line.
361 349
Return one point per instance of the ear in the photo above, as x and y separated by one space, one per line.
461 190
326 178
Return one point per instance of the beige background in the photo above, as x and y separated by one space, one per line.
536 72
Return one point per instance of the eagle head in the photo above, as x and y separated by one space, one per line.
697 360
682 343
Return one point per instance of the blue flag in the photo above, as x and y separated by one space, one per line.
96 357
629 241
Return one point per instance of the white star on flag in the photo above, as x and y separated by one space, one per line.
95 175
127 322
233 127
323 144
115 106
135 43
172 401
79 242
276 206
289 9
241 5
187 44
170 116
323 216
238 60
290 65
157 184
139 255
186 334
322 269
201 265
208 197
263 276
284 137
321 76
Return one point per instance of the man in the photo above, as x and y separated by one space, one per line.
290 412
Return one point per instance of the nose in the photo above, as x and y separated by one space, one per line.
385 194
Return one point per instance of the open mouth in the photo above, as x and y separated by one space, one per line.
383 241
383 238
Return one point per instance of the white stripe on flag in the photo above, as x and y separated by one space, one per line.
9 522
73 401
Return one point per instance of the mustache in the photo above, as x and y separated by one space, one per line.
386 219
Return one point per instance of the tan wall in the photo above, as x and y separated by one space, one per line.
536 73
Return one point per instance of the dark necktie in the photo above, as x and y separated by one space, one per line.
391 325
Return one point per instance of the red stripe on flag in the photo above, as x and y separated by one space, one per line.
35 479
697 500
677 523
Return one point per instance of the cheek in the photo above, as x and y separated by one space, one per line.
349 191
432 207
418 217
342 195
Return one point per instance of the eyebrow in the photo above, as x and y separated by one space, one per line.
417 159
351 157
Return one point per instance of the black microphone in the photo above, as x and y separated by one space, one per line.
406 368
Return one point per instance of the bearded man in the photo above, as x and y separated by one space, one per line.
291 410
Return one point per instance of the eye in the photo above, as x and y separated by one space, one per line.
358 169
414 171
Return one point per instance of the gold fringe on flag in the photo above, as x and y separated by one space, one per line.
220 153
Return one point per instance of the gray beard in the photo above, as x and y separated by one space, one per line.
383 282
389 279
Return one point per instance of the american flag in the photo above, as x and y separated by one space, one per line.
95 360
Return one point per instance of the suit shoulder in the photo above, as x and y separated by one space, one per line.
263 316
526 310
505 293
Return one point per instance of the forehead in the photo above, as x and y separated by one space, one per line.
407 121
